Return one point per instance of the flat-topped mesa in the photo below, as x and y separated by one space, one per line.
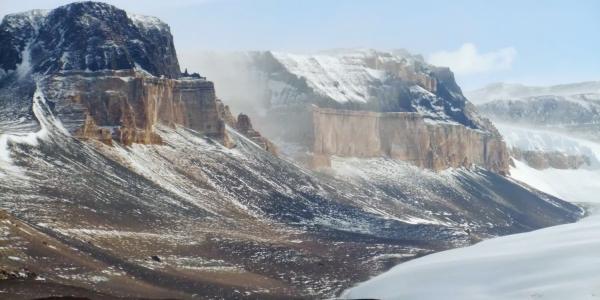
363 103
108 75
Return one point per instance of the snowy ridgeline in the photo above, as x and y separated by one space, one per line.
554 263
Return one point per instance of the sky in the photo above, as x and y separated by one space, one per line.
529 42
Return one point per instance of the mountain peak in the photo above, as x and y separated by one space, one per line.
91 36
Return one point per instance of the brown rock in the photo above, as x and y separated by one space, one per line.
244 126
226 114
406 136
126 106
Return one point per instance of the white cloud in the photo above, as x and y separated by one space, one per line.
467 59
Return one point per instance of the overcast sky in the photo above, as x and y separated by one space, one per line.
526 41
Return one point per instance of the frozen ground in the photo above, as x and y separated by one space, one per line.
559 262
574 185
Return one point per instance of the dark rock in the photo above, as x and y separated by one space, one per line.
87 36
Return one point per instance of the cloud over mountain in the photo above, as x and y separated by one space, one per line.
468 60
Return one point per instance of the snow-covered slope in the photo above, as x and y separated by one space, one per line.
355 79
255 217
579 185
555 263
532 139
570 108
576 185
341 75
560 262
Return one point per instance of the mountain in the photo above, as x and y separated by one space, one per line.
121 177
358 103
553 138
577 114
91 37
573 110
551 154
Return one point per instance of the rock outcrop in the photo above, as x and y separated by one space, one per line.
87 36
126 105
372 103
405 136
554 159
244 126
108 75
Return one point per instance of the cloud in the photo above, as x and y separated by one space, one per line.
467 59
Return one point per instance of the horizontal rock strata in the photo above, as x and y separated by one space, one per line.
126 105
405 136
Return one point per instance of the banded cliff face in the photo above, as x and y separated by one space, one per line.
405 136
369 104
126 105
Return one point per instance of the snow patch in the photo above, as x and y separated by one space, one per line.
148 22
46 121
559 262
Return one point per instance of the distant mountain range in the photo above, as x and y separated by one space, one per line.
568 108
510 91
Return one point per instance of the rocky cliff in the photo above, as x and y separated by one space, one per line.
406 136
86 36
545 124
576 114
127 105
108 75
372 103
180 216
550 159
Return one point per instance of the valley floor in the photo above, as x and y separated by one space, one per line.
559 262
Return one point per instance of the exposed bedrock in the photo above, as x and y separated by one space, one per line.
550 159
405 136
126 105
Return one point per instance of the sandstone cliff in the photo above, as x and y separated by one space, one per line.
405 136
244 126
109 75
126 105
